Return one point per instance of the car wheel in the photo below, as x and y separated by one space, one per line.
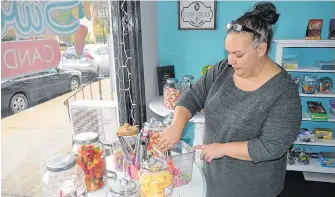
18 103
74 83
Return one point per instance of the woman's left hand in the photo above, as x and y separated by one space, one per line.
211 151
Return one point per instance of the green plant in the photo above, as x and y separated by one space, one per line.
205 69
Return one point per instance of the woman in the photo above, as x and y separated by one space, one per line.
252 112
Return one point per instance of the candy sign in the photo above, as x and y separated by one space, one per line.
29 56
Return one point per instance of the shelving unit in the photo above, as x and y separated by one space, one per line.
314 171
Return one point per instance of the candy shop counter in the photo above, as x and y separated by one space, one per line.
196 188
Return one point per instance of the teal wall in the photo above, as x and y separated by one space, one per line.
190 50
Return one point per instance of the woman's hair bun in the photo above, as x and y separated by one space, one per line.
267 11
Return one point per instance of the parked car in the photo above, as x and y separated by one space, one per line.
93 62
18 93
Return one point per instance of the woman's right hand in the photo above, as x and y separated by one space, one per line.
170 137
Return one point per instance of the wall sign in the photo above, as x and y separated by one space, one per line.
197 15
28 56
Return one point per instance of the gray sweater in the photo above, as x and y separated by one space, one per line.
268 118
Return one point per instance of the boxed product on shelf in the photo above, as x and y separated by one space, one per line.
332 106
316 111
313 31
326 65
325 85
290 64
327 159
305 135
323 134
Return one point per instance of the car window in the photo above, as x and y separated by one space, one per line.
103 51
33 75
51 71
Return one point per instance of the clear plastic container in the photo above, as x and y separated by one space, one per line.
186 82
63 177
171 93
155 179
90 156
183 158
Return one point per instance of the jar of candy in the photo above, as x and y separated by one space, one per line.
155 178
90 156
171 93
63 177
124 188
309 83
185 82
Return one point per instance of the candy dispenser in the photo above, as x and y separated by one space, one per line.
171 93
63 177
90 157
155 179
185 82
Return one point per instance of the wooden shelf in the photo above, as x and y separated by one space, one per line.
318 143
314 166
306 117
318 94
310 69
305 43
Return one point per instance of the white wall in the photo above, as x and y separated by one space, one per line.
149 27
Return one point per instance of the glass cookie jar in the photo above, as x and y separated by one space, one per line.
124 188
155 178
186 82
171 93
63 178
90 156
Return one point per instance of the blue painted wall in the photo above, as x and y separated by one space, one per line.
190 50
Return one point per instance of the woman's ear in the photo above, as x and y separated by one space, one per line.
261 49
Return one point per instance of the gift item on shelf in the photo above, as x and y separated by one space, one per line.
308 84
327 159
171 93
332 106
185 82
63 177
296 79
313 31
331 29
326 65
305 135
325 85
323 134
290 64
90 156
316 111
155 178
304 157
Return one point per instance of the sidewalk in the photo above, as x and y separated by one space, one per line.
30 137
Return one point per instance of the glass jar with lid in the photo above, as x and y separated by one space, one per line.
185 82
63 177
90 156
171 93
155 178
124 188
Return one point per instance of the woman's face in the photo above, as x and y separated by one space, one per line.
242 54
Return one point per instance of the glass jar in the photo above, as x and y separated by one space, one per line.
63 177
171 93
124 188
155 178
90 157
186 82
168 120
309 83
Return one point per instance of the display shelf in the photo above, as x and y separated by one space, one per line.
320 177
318 143
318 94
310 69
305 43
314 166
306 117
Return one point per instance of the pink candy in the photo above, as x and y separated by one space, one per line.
171 96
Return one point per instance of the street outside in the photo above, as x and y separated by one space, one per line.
31 136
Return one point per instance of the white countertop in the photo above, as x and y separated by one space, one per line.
196 187
156 105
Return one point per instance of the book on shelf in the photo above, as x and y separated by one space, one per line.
313 31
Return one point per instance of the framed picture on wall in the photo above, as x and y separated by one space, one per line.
196 15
